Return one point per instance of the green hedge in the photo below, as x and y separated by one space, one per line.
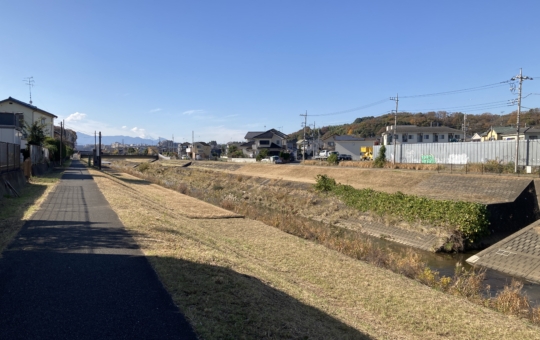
469 218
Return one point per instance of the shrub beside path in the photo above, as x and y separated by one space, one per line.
74 272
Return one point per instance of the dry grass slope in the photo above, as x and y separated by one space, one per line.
241 279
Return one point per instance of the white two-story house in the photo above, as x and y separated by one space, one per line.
31 115
409 134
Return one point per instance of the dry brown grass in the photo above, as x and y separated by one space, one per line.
185 205
242 279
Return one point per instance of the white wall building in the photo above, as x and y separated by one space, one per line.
421 134
351 145
31 114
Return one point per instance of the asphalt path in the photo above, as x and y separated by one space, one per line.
73 272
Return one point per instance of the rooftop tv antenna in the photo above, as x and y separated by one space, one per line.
30 82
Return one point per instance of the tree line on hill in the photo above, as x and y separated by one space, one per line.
373 126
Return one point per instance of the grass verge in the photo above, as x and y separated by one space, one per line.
369 299
14 211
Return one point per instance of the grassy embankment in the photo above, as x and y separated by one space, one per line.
371 300
489 167
14 211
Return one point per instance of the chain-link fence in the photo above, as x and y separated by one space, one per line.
10 157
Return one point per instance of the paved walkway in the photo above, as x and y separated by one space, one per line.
73 272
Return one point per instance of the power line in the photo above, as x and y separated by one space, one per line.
460 107
477 88
354 109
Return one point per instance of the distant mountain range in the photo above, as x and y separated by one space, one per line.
83 139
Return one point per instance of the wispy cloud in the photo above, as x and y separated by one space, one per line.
193 112
230 116
154 110
81 123
76 116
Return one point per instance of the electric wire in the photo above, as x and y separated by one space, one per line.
470 89
351 110
477 88
460 107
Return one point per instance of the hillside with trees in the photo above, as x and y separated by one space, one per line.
374 126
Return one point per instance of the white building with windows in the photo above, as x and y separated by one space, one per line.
409 134
31 115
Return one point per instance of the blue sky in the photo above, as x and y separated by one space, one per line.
222 68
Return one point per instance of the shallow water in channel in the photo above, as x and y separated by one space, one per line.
445 264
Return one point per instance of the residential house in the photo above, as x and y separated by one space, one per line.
31 115
11 125
181 149
200 150
510 132
292 147
477 137
329 142
421 134
311 146
69 138
272 140
351 145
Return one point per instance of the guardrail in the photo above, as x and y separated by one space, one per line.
10 157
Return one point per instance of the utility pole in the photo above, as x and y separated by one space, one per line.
61 142
192 145
99 151
519 77
304 140
394 134
95 148
464 127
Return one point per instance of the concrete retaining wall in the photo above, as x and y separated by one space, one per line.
242 160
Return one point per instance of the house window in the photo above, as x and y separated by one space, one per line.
426 137
442 136
42 121
404 138
264 142
278 142
533 137
457 136
330 143
411 137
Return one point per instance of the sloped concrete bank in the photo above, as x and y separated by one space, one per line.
508 218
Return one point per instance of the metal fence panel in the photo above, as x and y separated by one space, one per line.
10 157
465 153
39 154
